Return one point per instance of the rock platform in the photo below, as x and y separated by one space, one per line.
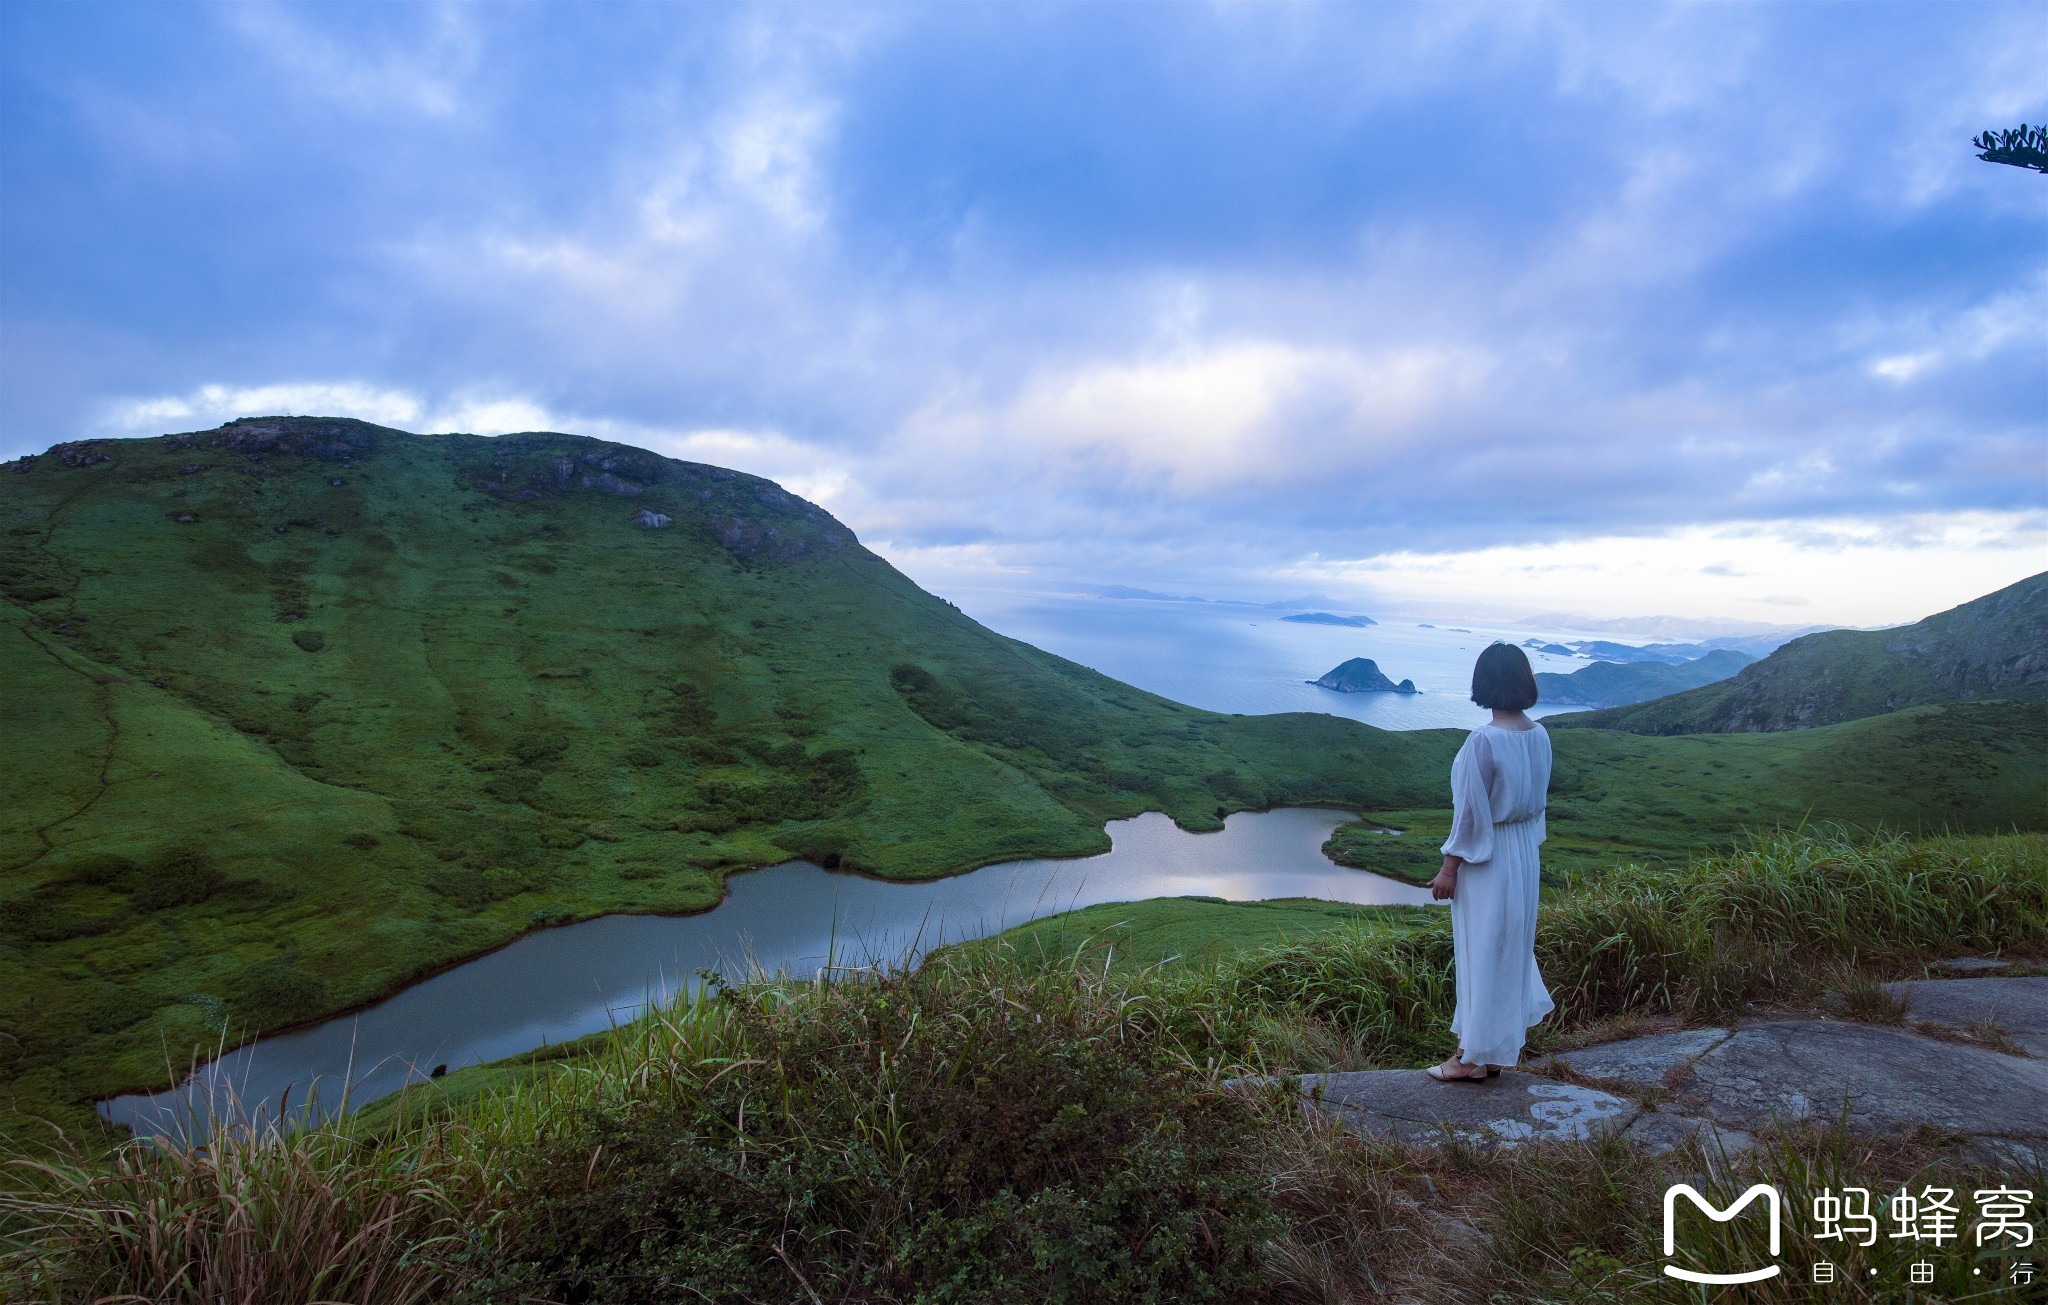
1724 1084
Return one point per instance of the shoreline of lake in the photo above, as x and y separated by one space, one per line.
450 1017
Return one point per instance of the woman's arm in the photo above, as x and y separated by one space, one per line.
1445 885
1471 837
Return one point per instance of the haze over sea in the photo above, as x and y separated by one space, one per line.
1241 657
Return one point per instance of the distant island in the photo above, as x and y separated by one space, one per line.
1330 618
1362 675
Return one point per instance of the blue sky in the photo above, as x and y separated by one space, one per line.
1625 309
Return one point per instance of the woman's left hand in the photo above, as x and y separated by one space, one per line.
1445 885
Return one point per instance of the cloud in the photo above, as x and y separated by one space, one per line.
1847 570
210 405
423 69
1194 299
817 474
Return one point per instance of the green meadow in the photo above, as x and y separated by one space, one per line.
1646 799
299 710
1017 1122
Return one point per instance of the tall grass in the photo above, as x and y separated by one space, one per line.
986 1127
1779 919
249 1217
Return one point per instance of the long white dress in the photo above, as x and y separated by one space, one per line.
1498 784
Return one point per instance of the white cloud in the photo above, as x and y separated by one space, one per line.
1851 571
210 405
1232 415
818 474
2017 317
424 72
821 475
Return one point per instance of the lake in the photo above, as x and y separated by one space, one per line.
560 984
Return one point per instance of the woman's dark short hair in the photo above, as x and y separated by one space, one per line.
1501 679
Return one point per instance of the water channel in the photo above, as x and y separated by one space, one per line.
792 918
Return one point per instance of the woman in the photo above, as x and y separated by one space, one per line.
1490 871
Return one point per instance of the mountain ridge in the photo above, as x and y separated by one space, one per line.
1616 684
1995 646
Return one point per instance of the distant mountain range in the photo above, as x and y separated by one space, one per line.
1614 684
1672 629
1128 593
1993 647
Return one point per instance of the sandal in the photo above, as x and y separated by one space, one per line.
1437 1072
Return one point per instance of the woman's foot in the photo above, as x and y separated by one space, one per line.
1454 1070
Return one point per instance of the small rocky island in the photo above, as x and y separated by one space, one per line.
1330 618
1362 675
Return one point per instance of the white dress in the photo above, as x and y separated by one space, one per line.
1498 783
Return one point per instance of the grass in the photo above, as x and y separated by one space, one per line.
1004 1125
1196 931
1622 798
1581 1222
524 709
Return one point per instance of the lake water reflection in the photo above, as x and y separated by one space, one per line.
563 983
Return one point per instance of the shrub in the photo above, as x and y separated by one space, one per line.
182 877
59 911
961 1134
277 992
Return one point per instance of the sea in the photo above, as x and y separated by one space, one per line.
1243 658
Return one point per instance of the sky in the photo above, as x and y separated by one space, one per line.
1626 310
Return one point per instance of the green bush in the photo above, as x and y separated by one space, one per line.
962 1134
59 911
275 992
182 877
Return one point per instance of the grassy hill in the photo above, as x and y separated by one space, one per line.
1970 767
300 709
1617 684
1992 647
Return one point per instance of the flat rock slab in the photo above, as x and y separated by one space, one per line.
1510 1110
1880 1077
1662 1130
1645 1061
2019 1006
1972 965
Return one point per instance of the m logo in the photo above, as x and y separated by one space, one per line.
1671 1195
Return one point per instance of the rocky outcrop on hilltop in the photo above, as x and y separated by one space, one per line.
1993 647
748 516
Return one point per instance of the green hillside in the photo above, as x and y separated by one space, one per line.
1617 684
1971 767
300 709
1992 647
